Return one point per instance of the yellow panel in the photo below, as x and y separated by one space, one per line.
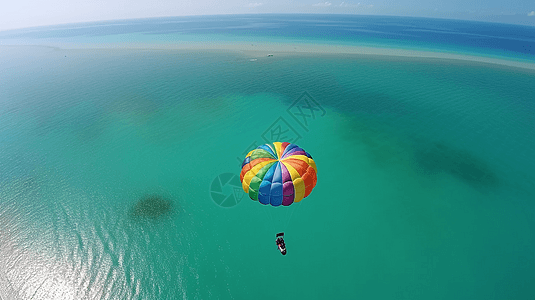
293 172
304 158
245 186
300 157
251 173
278 146
299 184
312 163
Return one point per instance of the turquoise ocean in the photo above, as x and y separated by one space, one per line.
119 167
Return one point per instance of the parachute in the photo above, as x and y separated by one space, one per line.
278 174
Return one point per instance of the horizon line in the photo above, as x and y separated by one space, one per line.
258 14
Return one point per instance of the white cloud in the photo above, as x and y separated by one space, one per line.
322 4
531 14
345 4
254 4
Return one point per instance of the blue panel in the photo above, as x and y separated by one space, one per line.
277 175
269 174
276 186
272 149
276 200
246 161
276 189
262 198
265 188
264 191
268 149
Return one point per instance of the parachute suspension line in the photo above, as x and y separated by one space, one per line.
280 220
270 217
289 213
293 209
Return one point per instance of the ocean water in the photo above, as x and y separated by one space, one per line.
466 37
114 163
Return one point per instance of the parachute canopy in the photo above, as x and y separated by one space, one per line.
278 173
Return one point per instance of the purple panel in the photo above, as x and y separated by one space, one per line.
287 200
288 192
296 151
285 174
288 149
288 188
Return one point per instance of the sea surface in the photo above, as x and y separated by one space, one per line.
119 167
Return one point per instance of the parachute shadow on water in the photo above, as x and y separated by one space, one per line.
152 208
441 158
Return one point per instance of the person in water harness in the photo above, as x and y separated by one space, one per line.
280 243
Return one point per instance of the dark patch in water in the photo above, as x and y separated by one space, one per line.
387 149
152 207
440 158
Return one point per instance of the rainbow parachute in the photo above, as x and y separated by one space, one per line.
278 173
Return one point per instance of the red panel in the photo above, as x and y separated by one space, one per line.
299 165
251 164
309 178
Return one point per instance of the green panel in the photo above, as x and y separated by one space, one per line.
257 179
253 194
261 153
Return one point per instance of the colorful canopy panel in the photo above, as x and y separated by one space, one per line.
278 173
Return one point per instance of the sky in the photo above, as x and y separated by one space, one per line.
29 13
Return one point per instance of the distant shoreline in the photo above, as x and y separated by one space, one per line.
262 49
